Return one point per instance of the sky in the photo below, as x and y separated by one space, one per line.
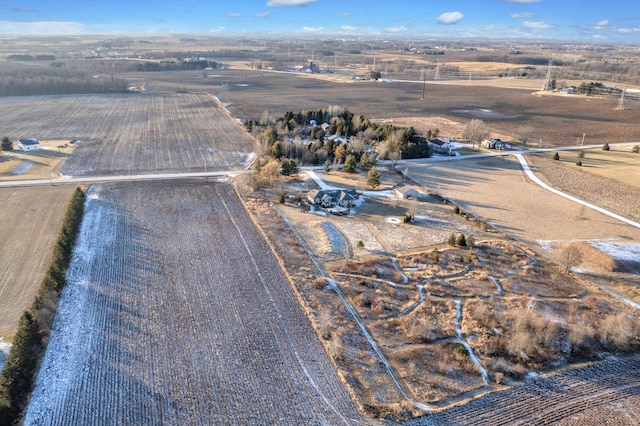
579 20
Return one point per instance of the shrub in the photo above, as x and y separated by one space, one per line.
579 163
581 154
605 147
452 240
635 148
461 240
556 156
456 210
471 241
360 244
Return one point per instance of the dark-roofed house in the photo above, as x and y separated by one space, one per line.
331 197
28 144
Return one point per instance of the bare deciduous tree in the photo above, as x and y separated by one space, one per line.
476 131
571 257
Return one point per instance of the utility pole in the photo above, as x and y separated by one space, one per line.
620 106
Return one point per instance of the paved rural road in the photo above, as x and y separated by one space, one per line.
68 180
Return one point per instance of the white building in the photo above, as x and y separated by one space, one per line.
28 144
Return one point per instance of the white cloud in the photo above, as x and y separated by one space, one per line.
312 29
217 30
349 28
523 15
536 25
395 30
42 27
449 18
343 14
602 23
286 3
262 15
522 1
234 15
628 30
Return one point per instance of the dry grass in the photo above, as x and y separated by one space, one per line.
33 219
44 163
590 256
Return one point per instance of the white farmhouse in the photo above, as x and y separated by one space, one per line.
28 144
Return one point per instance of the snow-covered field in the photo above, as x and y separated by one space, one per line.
176 312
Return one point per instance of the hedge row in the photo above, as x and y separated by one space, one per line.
29 343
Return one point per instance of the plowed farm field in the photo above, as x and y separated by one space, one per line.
120 134
26 242
177 312
546 120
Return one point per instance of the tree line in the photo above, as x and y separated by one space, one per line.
30 340
58 81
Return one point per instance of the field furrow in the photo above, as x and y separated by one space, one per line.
177 312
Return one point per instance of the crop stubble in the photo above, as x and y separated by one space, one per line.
33 219
177 312
134 133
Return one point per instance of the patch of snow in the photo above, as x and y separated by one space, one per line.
63 363
5 347
497 284
319 181
381 194
472 355
392 220
22 168
619 251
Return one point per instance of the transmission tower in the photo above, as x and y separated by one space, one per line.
621 101
437 77
546 85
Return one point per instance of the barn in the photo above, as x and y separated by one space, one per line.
28 144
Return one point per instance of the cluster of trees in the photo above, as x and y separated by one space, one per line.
6 144
57 81
16 379
301 137
597 89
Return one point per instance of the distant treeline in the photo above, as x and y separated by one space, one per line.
31 58
518 60
57 81
174 65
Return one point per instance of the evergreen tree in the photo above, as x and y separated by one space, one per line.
350 163
373 177
6 144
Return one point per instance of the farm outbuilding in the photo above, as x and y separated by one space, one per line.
28 144
407 192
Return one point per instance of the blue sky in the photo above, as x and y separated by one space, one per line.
582 20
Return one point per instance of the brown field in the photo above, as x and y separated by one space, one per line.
512 113
497 190
121 134
33 220
618 163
